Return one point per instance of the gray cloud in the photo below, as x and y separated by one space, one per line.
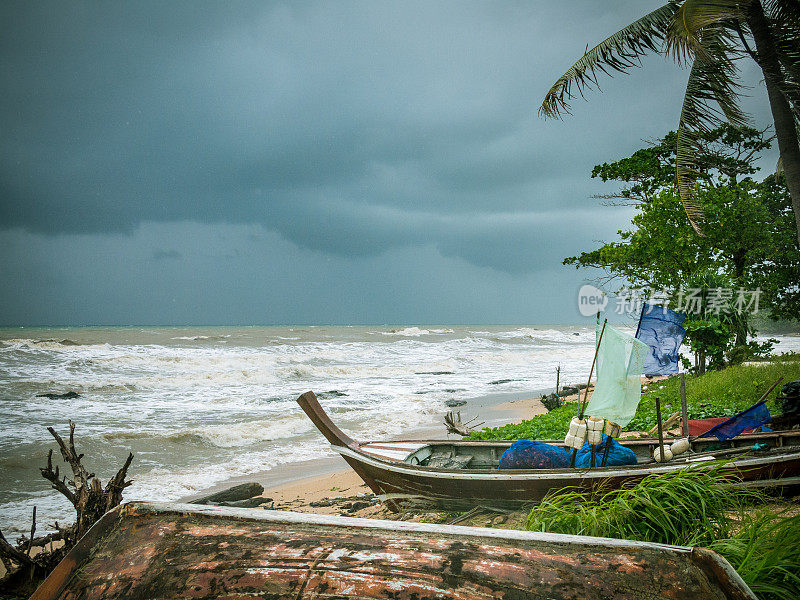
352 129
166 255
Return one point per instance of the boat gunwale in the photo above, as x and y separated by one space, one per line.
788 433
564 473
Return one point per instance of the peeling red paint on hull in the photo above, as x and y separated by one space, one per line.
182 551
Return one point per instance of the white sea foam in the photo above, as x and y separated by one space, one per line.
416 332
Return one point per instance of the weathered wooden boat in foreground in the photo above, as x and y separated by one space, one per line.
162 551
462 474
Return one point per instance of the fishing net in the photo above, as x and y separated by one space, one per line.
619 369
618 454
526 454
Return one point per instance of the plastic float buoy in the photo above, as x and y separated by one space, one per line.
576 433
679 446
613 430
594 430
667 454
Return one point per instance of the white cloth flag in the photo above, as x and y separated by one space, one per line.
620 361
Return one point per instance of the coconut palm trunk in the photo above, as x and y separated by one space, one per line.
785 126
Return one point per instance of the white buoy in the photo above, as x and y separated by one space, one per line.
612 429
679 446
667 455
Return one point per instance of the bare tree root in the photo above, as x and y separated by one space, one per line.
26 568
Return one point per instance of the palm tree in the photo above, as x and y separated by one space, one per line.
712 36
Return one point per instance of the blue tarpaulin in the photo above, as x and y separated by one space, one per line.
661 329
755 416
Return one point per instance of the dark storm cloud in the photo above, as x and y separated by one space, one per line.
349 128
166 255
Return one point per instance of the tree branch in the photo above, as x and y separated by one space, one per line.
70 455
9 551
113 490
54 478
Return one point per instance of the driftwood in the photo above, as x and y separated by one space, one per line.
231 496
455 425
24 567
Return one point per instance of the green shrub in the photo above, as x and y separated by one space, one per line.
716 393
766 553
693 508
549 426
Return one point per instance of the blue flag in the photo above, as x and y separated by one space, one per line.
661 329
755 416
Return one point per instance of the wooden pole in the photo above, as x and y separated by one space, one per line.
605 451
667 424
586 392
684 409
558 377
772 387
591 370
660 430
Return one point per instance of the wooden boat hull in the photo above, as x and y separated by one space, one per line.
462 489
186 551
400 483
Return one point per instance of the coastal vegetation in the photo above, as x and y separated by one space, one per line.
748 246
720 393
712 37
688 507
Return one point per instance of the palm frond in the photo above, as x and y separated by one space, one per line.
711 82
783 11
786 37
691 18
619 52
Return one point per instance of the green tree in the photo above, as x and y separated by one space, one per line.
748 242
712 36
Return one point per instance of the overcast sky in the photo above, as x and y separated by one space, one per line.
173 163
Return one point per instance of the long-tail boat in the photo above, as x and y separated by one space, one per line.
162 551
463 474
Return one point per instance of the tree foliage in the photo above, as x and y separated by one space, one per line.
748 242
712 36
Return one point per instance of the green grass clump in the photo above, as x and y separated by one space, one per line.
687 507
766 553
714 394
